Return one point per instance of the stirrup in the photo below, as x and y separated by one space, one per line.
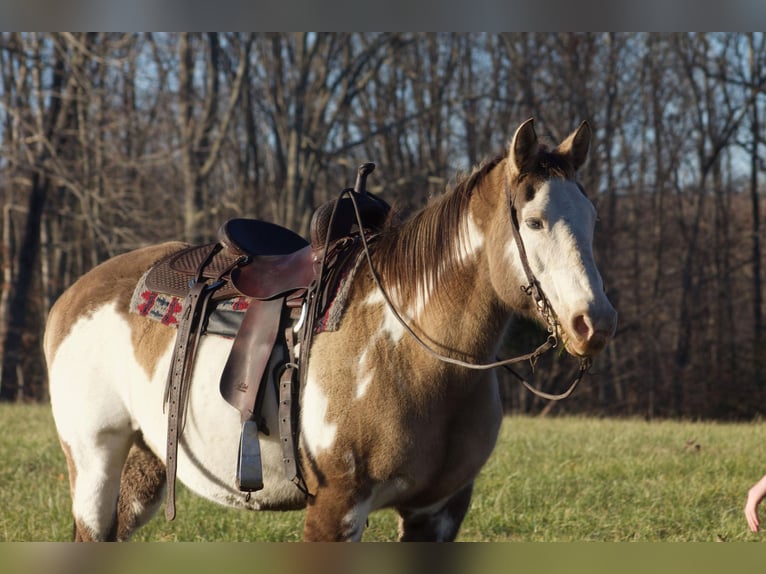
249 470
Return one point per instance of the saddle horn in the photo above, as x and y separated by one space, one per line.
360 186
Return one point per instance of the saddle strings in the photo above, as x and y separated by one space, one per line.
533 289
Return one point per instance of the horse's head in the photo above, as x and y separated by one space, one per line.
555 221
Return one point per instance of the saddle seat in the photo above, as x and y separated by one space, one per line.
277 261
256 238
259 259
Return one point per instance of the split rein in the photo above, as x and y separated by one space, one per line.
532 289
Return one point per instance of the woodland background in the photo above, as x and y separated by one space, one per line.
111 141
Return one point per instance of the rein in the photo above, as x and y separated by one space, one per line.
533 289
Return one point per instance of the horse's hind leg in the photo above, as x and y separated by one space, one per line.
141 489
95 464
439 524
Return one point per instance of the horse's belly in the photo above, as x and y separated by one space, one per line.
209 446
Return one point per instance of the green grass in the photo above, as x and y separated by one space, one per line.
550 479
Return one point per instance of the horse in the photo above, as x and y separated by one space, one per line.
384 423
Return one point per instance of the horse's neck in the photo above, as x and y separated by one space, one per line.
473 320
455 309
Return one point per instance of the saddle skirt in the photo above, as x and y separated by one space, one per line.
167 307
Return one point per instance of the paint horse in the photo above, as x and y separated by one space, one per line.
383 422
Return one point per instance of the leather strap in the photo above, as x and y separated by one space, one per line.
177 389
286 427
533 287
288 415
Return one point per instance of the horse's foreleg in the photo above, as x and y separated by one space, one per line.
336 514
435 525
142 486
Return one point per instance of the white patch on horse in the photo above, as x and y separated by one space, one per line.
554 252
137 508
465 248
86 339
470 243
367 373
99 444
364 384
560 254
417 310
318 433
390 325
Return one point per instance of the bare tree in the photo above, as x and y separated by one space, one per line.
203 132
309 83
757 80
110 141
49 103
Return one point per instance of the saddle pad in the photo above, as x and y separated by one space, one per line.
337 297
171 275
224 320
227 314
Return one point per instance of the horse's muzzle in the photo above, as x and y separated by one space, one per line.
589 333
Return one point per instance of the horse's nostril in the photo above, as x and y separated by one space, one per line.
582 327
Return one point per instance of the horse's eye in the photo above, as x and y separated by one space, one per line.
534 223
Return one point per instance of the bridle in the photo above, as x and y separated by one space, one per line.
532 289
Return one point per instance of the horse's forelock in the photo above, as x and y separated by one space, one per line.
548 165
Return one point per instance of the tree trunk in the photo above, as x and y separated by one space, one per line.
755 76
22 286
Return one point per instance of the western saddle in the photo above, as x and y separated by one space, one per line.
288 283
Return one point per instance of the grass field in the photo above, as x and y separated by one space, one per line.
550 479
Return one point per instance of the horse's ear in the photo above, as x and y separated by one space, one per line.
524 147
576 145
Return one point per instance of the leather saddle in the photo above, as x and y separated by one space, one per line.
280 273
254 258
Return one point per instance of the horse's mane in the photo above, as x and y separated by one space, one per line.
426 247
